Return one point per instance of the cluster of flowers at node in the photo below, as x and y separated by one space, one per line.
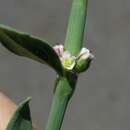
68 60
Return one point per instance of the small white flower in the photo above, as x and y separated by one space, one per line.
59 49
68 61
85 54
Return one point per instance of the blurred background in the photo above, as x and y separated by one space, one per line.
102 98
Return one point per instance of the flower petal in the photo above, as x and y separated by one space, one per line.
66 55
85 54
59 49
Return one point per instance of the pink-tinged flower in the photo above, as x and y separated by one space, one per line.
59 49
85 54
69 61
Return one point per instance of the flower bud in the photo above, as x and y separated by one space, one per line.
82 65
83 61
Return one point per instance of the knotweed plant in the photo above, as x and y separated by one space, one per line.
68 60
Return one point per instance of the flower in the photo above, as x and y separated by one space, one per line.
59 49
83 61
85 54
68 60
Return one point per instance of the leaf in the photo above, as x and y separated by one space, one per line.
21 120
29 46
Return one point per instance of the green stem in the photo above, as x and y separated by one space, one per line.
66 85
75 31
61 98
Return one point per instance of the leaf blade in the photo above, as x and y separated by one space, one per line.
21 120
26 45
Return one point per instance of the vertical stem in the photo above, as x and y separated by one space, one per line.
60 101
73 43
75 31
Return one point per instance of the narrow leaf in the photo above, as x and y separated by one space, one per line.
29 46
21 120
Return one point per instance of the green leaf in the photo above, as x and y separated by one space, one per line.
21 120
29 46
